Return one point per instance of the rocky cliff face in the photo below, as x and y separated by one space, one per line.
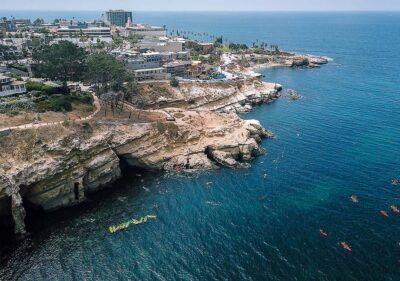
223 96
51 168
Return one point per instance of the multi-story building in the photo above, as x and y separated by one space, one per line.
22 22
146 30
159 73
118 17
8 24
10 87
179 68
10 52
3 29
91 32
161 44
144 61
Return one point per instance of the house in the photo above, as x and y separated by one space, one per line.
144 61
206 47
196 69
10 87
159 73
178 68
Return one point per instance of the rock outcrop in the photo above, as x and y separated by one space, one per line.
221 96
55 167
239 63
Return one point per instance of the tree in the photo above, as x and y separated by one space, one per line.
63 61
38 22
218 40
131 90
174 82
105 70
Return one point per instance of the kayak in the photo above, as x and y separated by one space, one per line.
345 246
122 226
354 199
384 214
323 233
394 209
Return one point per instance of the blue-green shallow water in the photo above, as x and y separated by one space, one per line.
261 223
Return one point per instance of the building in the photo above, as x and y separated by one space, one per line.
8 24
10 52
158 73
179 68
196 69
22 22
3 29
10 87
144 61
118 17
206 46
168 57
185 55
146 30
90 32
161 44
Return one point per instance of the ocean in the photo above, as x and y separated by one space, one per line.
261 223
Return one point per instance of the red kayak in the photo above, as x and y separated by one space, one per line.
384 214
323 233
345 246
394 209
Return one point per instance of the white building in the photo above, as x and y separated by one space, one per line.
10 87
161 44
135 60
158 73
145 30
90 32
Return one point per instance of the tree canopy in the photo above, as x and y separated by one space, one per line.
63 61
105 70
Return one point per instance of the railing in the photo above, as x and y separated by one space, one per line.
12 92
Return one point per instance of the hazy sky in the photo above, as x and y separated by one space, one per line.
202 5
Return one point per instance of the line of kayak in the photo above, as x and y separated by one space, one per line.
116 228
344 244
354 199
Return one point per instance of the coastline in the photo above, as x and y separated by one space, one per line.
54 167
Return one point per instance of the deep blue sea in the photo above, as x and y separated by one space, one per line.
261 223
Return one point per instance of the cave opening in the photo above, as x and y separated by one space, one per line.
76 190
6 220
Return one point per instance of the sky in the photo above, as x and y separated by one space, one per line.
204 5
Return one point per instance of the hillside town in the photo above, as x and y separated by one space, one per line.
146 52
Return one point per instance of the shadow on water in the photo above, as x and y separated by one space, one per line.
40 224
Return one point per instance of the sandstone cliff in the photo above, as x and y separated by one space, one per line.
224 96
57 166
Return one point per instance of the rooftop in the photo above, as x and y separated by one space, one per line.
177 63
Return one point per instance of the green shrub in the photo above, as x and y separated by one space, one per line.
40 87
55 103
89 108
60 103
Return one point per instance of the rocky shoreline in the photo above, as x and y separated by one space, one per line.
54 167
247 64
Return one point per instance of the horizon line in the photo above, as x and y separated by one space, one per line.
174 11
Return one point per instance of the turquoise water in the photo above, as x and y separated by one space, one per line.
263 223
